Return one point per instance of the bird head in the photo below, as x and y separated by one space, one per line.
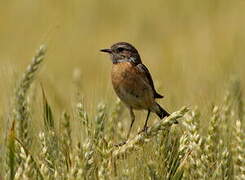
123 52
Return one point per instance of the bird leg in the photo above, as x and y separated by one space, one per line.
132 116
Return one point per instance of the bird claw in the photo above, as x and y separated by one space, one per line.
176 122
120 144
144 130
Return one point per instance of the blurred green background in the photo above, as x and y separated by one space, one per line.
192 48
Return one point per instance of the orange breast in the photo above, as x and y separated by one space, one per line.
130 85
120 72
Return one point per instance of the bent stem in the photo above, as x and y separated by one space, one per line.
134 143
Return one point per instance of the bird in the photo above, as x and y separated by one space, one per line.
132 82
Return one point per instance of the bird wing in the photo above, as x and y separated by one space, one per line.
142 68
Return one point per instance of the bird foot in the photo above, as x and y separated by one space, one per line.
176 122
120 144
144 130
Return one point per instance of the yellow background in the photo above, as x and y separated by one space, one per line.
192 48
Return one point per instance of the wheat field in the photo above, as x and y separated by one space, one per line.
60 118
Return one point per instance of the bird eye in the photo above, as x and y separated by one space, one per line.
120 49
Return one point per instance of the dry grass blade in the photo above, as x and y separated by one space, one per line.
47 113
11 149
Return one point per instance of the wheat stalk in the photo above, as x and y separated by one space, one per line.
134 143
21 110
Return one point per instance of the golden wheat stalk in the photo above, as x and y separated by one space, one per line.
140 139
21 111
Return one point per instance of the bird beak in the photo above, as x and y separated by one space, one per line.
106 50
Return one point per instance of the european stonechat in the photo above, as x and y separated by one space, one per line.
132 82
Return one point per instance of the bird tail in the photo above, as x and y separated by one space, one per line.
160 111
